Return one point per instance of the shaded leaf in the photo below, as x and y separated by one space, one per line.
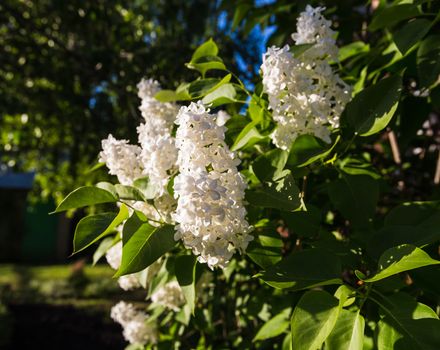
104 245
185 268
303 223
270 166
92 228
416 223
389 16
428 61
371 110
304 269
355 197
411 34
282 194
308 149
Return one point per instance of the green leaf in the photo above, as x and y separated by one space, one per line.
183 316
415 223
95 167
224 94
345 295
422 214
371 110
85 196
304 269
249 136
352 49
208 48
270 166
428 61
130 193
298 50
265 249
303 223
399 259
355 196
144 185
407 325
307 149
104 245
393 15
94 227
185 268
182 92
108 187
287 342
275 326
411 34
206 63
143 244
313 319
166 96
354 166
282 194
202 87
170 186
391 236
348 333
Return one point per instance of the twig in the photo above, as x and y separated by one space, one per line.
394 146
437 170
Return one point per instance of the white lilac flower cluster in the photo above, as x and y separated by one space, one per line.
155 157
209 189
121 159
158 151
170 296
305 95
215 228
114 257
136 329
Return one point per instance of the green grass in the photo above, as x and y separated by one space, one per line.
76 284
14 274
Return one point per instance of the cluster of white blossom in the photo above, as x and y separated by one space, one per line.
155 157
313 28
170 295
209 189
121 159
136 329
114 257
305 95
158 154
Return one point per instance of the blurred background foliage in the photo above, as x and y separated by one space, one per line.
68 72
68 75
